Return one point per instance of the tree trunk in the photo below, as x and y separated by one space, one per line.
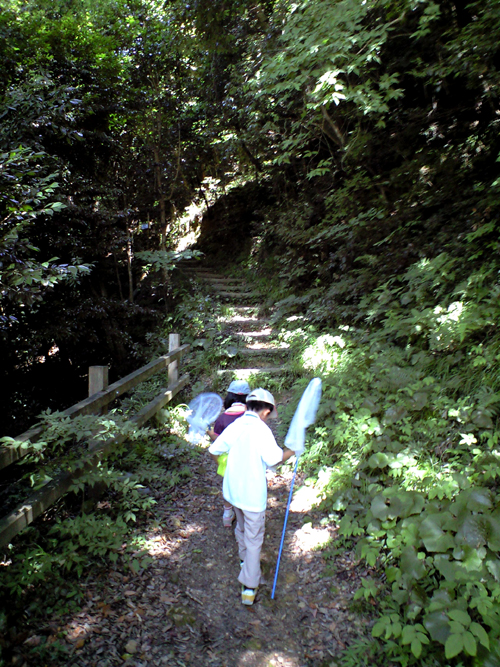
161 195
129 267
118 279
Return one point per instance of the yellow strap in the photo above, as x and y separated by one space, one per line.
221 469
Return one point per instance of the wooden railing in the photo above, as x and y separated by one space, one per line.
41 500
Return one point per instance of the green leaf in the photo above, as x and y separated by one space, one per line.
490 658
470 645
473 531
493 524
416 647
434 538
379 627
379 508
460 616
411 565
379 460
473 558
408 634
480 633
482 419
419 400
394 414
454 645
472 500
493 566
438 626
449 569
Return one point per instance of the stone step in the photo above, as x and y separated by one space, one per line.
205 274
262 351
219 278
240 315
243 324
215 278
245 310
230 284
229 287
259 335
211 278
225 279
237 295
244 373
229 290
195 269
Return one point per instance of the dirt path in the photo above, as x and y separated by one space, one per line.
185 607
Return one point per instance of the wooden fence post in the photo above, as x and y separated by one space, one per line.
98 379
174 341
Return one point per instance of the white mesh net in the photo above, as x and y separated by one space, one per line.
204 409
304 416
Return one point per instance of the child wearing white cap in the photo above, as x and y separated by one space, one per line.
234 407
251 448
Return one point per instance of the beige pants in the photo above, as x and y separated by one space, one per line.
249 532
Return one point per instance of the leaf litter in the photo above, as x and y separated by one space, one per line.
184 608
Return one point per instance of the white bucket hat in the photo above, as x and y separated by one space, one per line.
265 396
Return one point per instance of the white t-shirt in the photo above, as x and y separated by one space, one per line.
251 448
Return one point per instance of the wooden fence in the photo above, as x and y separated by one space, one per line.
41 500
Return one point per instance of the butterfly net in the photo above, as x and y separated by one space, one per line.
304 416
203 410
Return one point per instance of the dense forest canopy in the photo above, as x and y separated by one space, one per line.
367 133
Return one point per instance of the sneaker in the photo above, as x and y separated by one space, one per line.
228 518
248 595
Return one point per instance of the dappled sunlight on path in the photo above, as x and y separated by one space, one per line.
184 608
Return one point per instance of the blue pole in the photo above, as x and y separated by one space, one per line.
284 527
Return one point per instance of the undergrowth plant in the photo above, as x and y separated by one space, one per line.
100 521
406 453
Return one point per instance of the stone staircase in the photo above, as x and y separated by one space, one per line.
225 288
258 351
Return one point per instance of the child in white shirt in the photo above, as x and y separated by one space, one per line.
251 449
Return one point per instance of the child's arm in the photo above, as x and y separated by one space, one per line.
287 454
215 457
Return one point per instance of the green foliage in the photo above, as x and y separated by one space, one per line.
148 463
28 192
373 127
332 53
162 260
409 457
401 280
100 116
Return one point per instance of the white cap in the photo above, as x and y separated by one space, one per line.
265 396
239 387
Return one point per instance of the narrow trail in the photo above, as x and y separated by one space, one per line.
259 353
185 608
